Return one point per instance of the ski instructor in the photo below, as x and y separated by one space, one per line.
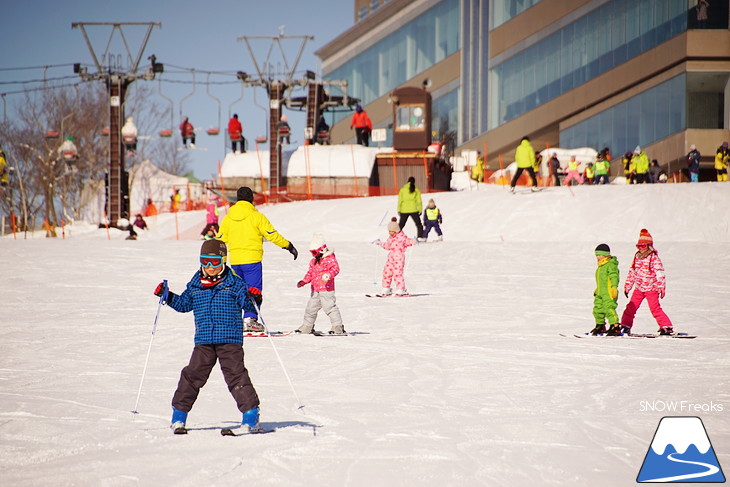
243 229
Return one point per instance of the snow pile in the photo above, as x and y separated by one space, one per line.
467 384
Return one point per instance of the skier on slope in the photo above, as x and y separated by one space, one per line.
321 274
606 293
396 244
647 278
216 296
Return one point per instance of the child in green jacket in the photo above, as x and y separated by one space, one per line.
606 294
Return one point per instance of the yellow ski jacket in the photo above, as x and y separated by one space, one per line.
243 229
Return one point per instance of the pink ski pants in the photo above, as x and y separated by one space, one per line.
652 297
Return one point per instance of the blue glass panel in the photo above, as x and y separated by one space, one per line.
592 45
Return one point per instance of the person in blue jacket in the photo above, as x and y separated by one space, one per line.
216 297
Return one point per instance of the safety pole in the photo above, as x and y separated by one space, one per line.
354 170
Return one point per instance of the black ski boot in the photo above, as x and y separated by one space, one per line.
666 331
600 329
616 330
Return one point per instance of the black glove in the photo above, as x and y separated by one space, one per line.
254 294
292 250
626 293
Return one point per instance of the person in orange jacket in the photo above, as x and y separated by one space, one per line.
362 124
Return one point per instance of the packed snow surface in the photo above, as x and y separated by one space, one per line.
468 383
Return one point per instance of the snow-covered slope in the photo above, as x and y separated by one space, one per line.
468 384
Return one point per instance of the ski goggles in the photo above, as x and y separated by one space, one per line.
211 261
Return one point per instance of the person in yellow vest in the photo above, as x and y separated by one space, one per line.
525 159
722 158
432 219
602 167
641 166
573 172
590 174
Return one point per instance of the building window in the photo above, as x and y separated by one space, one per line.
409 118
374 5
413 48
445 116
597 42
641 120
362 13
503 10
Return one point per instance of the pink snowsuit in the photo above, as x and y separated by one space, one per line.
394 265
647 278
322 274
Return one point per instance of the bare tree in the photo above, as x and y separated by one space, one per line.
41 179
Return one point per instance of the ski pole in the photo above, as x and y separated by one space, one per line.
276 352
163 300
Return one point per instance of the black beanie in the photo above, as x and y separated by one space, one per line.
603 249
213 247
244 193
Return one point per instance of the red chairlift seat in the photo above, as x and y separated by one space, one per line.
165 133
70 155
284 132
213 131
52 134
129 139
261 140
105 132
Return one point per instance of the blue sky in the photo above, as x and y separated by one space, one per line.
200 35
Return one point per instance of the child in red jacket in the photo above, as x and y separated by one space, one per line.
647 278
321 274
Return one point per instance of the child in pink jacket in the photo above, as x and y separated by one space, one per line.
647 278
321 274
397 244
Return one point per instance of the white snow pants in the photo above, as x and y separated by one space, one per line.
324 300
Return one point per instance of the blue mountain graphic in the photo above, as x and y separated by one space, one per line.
670 465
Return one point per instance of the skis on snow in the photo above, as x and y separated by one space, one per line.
633 335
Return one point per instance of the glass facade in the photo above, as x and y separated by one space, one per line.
593 44
445 114
503 10
413 48
641 120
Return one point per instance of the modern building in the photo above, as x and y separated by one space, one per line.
567 73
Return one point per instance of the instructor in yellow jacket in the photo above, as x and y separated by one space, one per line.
243 229
525 159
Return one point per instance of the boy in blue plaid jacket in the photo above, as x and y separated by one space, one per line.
216 296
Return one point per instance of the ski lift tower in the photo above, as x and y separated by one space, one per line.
109 69
276 89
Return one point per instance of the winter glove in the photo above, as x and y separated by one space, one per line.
164 292
254 294
626 293
301 284
661 293
292 250
160 289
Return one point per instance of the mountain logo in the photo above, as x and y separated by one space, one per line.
681 452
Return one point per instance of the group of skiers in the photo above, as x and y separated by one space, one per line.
229 280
